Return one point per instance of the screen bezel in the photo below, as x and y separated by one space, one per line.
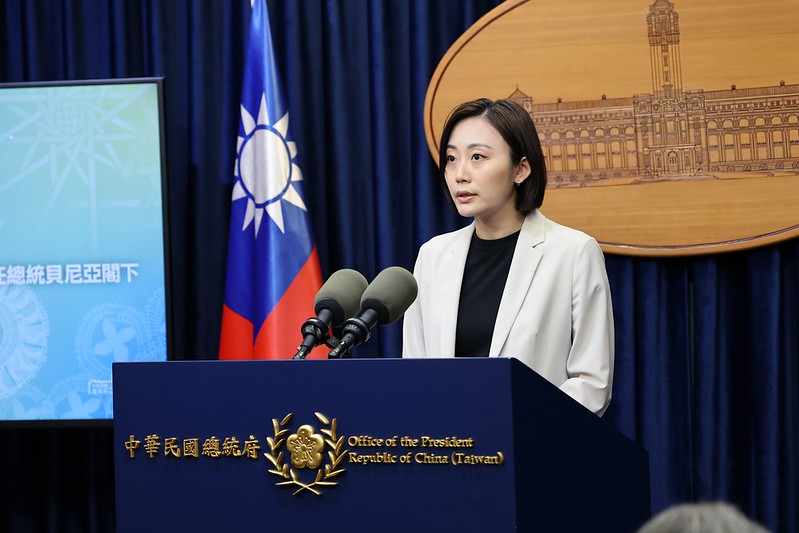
158 81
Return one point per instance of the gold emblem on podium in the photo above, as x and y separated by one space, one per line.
306 450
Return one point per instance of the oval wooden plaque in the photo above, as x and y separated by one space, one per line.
669 128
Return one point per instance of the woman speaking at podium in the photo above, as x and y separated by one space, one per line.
512 283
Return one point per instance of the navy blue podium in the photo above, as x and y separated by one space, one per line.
365 445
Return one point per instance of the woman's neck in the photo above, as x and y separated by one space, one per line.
490 230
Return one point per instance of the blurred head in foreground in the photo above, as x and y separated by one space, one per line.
715 517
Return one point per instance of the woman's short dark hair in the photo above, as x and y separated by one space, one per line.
517 129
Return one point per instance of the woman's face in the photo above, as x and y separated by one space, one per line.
479 173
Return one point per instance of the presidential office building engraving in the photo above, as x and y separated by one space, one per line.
670 133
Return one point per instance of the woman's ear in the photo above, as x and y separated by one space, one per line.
523 171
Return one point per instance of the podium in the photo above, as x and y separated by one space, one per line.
390 445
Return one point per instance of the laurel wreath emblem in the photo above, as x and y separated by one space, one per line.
323 475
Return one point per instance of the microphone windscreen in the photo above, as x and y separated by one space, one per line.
341 294
391 293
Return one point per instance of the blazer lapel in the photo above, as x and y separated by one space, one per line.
525 261
450 278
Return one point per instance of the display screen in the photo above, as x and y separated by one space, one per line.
82 250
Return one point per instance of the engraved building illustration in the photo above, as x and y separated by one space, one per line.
669 133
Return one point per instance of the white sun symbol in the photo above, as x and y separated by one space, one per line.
265 168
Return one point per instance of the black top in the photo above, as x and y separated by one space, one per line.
484 277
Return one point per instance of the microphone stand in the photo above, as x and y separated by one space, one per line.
356 331
303 351
315 331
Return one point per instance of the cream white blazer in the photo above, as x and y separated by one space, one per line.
555 314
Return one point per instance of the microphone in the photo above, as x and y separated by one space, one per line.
336 301
389 295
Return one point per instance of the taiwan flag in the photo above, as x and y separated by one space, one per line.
272 267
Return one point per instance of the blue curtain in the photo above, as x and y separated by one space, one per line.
707 377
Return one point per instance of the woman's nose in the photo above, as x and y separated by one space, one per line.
461 175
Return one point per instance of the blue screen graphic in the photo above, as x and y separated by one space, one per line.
82 275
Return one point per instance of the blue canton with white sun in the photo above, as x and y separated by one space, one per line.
266 168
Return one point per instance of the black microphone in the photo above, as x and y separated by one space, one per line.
336 301
389 295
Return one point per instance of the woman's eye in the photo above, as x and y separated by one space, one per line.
477 157
450 159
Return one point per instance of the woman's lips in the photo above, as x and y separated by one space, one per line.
464 196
